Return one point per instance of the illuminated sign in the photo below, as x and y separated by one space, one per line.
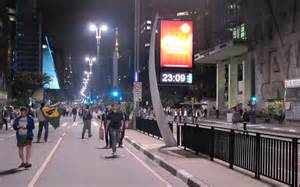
171 77
176 44
49 67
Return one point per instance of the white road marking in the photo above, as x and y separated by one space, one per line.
262 127
95 124
75 124
292 130
64 124
44 165
276 129
147 167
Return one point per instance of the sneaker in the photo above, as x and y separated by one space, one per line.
114 154
90 135
120 146
27 165
22 165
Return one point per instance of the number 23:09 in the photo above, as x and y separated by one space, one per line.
168 77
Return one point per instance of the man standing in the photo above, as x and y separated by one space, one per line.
115 122
74 113
87 118
123 128
24 126
43 123
105 125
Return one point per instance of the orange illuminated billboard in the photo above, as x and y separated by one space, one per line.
176 44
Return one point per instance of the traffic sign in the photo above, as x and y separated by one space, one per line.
137 91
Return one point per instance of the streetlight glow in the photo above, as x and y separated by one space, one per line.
93 27
104 28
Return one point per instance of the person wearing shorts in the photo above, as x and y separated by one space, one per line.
24 126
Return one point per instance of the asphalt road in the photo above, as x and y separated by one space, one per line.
67 160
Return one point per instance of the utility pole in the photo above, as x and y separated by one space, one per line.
137 4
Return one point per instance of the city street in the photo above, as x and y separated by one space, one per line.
67 160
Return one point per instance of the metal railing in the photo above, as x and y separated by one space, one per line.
263 154
149 127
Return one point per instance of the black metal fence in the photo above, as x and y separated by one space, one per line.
268 155
149 127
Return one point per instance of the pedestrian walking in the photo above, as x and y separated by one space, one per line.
106 130
43 124
74 113
115 122
236 118
4 116
87 118
123 128
24 125
246 119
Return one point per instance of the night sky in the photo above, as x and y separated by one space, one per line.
66 23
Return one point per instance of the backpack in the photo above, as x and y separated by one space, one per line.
87 115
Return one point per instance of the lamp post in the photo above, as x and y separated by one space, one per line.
91 61
98 30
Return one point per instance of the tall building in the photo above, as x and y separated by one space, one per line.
28 54
7 30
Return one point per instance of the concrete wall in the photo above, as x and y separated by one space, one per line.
275 63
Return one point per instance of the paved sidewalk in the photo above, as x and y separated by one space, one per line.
291 129
194 170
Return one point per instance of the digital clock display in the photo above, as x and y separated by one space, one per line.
169 77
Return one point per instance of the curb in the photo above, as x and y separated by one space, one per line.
183 175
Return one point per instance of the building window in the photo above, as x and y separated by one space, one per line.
240 72
239 32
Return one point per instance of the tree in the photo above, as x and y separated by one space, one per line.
24 84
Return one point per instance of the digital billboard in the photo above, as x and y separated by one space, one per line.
176 44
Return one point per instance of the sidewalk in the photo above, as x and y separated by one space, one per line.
192 169
291 129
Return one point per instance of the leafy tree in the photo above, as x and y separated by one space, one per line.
24 84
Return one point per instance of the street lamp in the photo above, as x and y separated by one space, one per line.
98 30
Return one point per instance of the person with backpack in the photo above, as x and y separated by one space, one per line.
87 118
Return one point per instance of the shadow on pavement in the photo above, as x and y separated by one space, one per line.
102 147
11 171
179 153
112 157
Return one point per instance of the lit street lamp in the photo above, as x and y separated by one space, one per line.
98 30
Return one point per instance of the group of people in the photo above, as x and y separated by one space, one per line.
240 116
113 119
115 122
